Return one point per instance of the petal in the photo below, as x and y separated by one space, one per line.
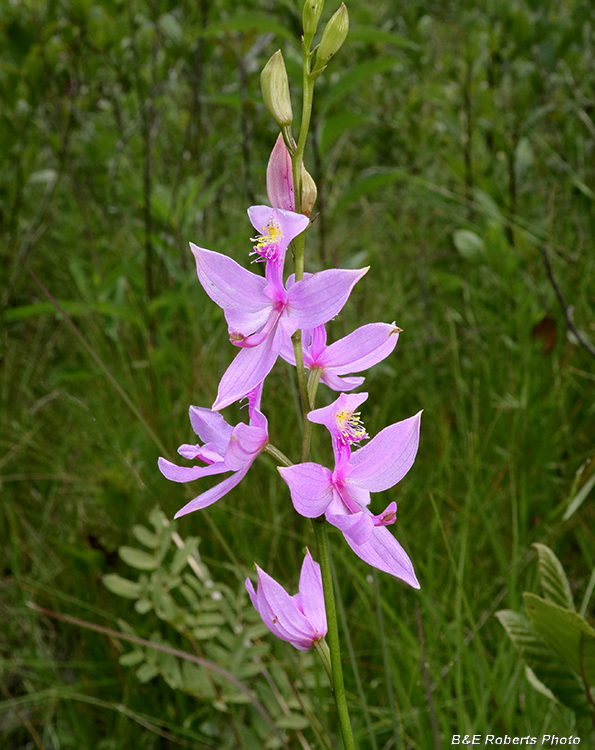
318 299
248 370
312 595
280 177
207 453
388 515
336 383
356 527
210 427
290 222
281 614
215 493
189 473
363 348
310 486
245 444
386 459
327 415
382 551
236 290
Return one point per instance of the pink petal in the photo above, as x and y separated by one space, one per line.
239 292
281 614
245 444
336 383
312 595
382 551
189 473
310 486
210 427
215 493
327 415
248 370
386 459
207 453
318 299
291 224
356 527
363 348
280 177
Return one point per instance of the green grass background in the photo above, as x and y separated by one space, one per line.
129 129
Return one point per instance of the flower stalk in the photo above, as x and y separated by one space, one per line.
307 395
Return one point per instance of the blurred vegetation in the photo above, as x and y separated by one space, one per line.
451 141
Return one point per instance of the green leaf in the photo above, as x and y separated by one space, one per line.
247 22
146 672
181 555
145 537
553 579
579 498
569 634
336 125
121 586
469 244
132 658
357 75
547 667
375 35
367 185
292 721
25 312
137 558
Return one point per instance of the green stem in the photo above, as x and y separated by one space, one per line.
307 395
277 454
333 632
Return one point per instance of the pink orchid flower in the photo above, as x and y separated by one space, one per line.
225 449
361 349
343 495
300 619
261 313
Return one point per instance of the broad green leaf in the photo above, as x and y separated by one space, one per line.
181 555
196 681
357 75
132 658
137 558
569 634
469 244
293 721
121 586
146 672
145 537
536 683
553 578
367 185
547 667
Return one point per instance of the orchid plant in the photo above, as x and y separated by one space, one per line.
270 316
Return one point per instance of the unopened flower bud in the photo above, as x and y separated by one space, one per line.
280 177
311 15
275 90
309 193
333 37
